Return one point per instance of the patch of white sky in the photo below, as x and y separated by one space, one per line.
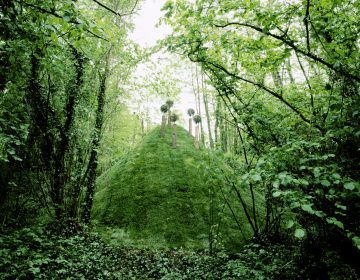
146 34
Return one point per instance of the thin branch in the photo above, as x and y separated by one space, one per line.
59 16
308 83
114 12
273 93
291 44
306 21
244 206
245 156
318 36
232 212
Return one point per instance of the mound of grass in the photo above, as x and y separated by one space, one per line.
161 196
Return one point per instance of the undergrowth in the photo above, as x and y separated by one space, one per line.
34 253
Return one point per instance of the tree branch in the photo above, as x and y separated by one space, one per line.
53 13
114 12
291 44
306 21
273 93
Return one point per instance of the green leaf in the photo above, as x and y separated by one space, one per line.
316 172
276 184
335 222
299 233
342 207
349 186
54 38
290 224
256 177
307 208
325 183
303 182
356 241
277 194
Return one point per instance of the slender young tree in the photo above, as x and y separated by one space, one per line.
197 120
206 106
191 113
174 118
164 109
169 103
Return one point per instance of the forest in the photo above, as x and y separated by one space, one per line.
228 149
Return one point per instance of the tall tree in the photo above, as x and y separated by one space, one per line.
206 106
197 120
174 118
191 113
169 103
164 109
58 46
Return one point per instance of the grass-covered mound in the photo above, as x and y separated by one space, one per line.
159 195
157 191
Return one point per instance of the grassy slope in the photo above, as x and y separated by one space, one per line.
158 194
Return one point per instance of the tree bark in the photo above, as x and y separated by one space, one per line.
174 136
289 71
217 119
163 124
276 78
93 161
206 105
197 144
60 177
169 117
190 125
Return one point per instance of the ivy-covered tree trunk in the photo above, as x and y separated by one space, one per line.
93 161
60 176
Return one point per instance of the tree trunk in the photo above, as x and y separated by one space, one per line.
223 135
206 105
190 125
142 127
217 119
93 161
169 117
276 78
174 136
163 124
60 177
197 144
289 71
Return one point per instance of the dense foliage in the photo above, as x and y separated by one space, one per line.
287 79
35 253
55 74
267 189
